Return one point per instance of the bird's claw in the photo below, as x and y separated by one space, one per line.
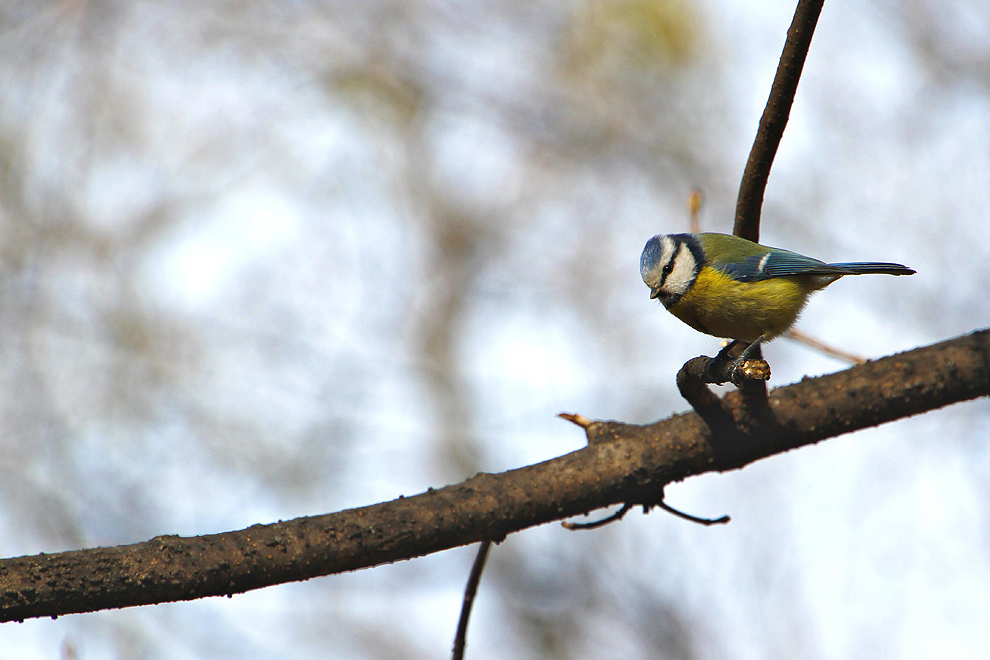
723 368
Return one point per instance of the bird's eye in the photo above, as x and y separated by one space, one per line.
668 269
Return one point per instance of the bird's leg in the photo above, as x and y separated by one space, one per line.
750 350
725 353
721 363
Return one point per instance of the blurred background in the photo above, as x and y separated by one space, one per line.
263 259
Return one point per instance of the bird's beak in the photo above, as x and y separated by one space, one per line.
654 293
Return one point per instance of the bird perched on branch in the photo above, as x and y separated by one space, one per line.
729 287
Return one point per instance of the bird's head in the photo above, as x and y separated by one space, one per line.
670 264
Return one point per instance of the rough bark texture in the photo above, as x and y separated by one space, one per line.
622 463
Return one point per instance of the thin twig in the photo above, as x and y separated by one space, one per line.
460 639
646 507
599 523
774 119
687 516
695 202
808 340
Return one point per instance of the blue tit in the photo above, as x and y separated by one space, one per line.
729 287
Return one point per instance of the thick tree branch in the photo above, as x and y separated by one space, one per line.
623 463
774 119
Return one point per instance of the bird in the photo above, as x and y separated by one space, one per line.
729 287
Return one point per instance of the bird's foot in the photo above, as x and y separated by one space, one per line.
725 368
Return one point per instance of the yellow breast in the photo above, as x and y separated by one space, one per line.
719 305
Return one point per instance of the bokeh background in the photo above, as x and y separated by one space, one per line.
262 259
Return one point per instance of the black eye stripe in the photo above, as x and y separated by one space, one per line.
667 269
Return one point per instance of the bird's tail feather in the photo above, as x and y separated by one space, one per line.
872 267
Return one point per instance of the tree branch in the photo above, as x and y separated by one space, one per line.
470 591
623 463
774 119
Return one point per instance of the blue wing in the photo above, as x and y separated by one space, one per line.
777 263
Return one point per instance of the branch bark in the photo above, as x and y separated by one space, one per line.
622 463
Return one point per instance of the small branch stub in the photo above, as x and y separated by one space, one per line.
749 370
575 418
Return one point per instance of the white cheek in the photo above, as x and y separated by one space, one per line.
681 278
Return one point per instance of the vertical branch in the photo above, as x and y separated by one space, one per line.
774 119
749 204
460 639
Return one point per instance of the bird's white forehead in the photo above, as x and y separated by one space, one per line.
668 249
